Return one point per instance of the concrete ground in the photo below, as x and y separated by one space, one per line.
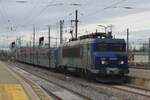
139 73
13 87
139 77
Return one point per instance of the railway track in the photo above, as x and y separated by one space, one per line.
116 90
133 89
128 88
55 90
140 67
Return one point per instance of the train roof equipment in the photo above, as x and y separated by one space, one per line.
94 35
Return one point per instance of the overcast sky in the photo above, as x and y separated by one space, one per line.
17 17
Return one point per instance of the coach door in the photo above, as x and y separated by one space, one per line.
52 59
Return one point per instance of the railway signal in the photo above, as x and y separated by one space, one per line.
13 45
41 40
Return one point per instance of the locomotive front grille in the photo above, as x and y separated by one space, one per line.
113 63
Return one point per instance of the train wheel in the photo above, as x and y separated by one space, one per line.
82 73
89 76
65 70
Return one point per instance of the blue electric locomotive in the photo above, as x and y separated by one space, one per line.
96 55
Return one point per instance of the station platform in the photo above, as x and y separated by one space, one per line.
140 73
14 87
139 77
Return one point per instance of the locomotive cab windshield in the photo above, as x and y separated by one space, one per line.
111 47
109 56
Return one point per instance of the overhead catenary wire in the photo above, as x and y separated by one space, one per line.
114 4
32 19
31 12
4 16
104 8
50 4
10 21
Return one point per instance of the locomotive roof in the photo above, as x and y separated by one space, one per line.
30 49
94 40
109 40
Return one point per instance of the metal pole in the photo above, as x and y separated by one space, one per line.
33 43
76 24
96 31
16 57
105 29
127 40
20 44
149 51
61 31
30 51
56 42
49 32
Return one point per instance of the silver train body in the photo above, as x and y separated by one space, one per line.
81 56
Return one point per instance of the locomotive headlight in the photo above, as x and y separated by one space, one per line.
103 62
121 62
